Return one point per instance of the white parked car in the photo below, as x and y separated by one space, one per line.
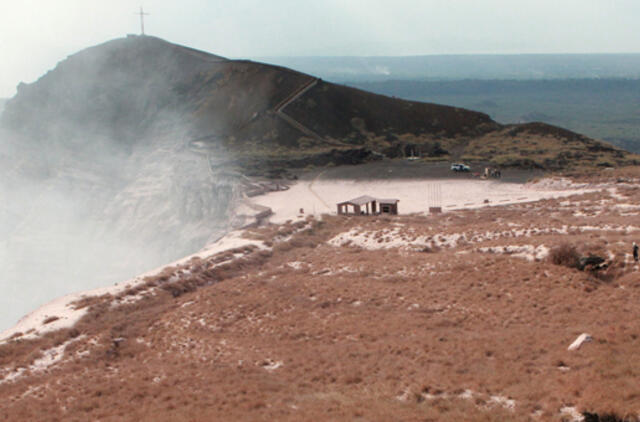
460 167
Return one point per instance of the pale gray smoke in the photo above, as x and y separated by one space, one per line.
81 213
101 177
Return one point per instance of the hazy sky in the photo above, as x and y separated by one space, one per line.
36 34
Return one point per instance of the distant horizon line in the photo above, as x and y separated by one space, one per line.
442 55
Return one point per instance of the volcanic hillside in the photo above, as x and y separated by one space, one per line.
462 316
134 88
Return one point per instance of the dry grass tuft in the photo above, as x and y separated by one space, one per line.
50 319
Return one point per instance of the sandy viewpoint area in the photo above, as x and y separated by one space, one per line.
418 187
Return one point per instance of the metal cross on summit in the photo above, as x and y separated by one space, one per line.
142 15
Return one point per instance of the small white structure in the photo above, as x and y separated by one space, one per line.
582 338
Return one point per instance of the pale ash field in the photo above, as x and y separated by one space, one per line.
458 316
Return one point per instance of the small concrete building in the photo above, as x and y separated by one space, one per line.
368 205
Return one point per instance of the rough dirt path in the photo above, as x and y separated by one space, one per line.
295 95
279 110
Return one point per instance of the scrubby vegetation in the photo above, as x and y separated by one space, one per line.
324 326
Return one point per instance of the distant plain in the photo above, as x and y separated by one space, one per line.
597 95
605 109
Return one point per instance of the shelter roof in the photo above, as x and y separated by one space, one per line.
365 199
361 200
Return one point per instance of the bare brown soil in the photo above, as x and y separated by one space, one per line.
316 329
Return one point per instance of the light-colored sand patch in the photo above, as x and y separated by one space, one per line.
374 240
609 227
13 375
505 402
49 358
560 183
495 400
528 252
627 207
271 365
571 413
321 196
296 265
616 195
396 238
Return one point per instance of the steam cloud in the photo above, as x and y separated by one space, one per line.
80 215
99 178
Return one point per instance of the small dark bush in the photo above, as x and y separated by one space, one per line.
607 417
565 254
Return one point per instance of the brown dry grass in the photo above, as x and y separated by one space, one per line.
361 334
